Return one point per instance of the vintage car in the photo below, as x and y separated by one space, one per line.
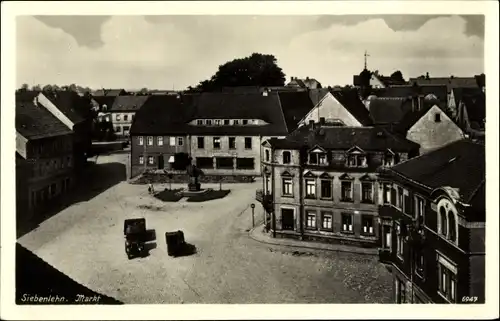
175 243
135 237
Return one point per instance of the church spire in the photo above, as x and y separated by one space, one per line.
366 58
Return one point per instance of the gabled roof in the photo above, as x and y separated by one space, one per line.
350 100
389 111
460 92
460 165
317 94
76 108
128 103
343 138
412 116
295 106
105 100
476 108
450 82
440 91
35 121
109 92
310 83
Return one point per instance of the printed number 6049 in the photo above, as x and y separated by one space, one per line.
470 299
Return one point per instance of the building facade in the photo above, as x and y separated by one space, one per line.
323 182
433 225
123 111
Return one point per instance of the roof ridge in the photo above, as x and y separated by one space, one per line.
474 192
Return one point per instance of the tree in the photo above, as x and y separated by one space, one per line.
397 76
255 70
25 87
36 88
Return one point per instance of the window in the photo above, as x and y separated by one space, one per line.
346 192
208 122
245 122
447 274
400 197
218 122
236 122
199 122
399 242
313 158
160 140
118 117
216 142
126 128
322 159
419 263
226 122
232 142
180 141
248 142
326 220
367 223
267 182
205 162
387 237
444 221
326 188
356 161
419 207
287 219
310 188
224 162
125 117
268 157
437 117
141 140
407 202
394 195
141 160
367 192
150 140
400 291
387 193
200 142
452 235
287 187
118 129
388 160
245 163
346 222
287 158
151 160
310 219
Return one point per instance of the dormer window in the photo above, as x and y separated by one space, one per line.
209 122
317 156
356 161
218 122
245 122
313 159
236 122
389 158
226 121
199 122
322 159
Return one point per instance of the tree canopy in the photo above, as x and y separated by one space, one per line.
397 76
255 70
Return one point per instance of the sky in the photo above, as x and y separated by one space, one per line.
173 52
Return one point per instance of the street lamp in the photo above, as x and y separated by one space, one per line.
253 217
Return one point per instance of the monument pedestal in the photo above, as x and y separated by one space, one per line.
194 187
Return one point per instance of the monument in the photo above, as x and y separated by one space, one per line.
194 174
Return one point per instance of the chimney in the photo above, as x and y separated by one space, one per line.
321 121
311 124
307 78
292 78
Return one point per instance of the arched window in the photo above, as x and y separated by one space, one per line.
452 228
286 157
444 221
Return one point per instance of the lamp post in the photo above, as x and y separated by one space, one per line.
253 217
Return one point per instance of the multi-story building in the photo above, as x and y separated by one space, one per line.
123 111
44 156
221 132
433 224
323 182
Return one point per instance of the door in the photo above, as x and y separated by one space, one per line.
160 162
287 219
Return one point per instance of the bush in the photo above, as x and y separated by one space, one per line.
169 195
208 196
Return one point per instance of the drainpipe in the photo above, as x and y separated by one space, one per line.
301 200
273 193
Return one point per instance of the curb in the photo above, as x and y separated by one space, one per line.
308 246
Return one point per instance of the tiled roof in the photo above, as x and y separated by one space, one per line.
128 103
388 111
295 106
350 100
459 165
76 108
476 108
450 82
317 94
105 100
411 116
34 122
109 92
343 138
439 91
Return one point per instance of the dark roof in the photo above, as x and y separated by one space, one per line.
349 98
343 138
476 107
128 103
295 106
109 92
459 165
317 94
411 115
72 105
439 91
450 82
459 92
34 122
241 89
310 83
388 111
105 100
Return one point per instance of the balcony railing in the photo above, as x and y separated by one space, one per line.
259 195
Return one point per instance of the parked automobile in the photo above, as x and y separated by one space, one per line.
135 235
